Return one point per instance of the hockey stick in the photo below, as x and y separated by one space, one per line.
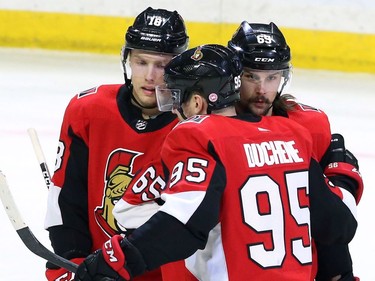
40 156
24 232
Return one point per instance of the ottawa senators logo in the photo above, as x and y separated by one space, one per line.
117 178
198 55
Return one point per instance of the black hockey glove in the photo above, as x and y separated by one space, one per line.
58 273
107 264
342 167
348 277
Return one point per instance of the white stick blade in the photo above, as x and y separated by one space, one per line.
9 204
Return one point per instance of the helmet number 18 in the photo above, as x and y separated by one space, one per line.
156 20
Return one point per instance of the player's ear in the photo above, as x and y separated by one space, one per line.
199 104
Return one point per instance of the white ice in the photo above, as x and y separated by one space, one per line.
36 86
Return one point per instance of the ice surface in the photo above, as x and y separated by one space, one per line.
37 85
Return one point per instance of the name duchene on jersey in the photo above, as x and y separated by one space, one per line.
271 153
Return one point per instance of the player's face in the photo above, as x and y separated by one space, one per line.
259 90
147 70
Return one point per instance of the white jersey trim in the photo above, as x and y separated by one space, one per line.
349 201
131 216
53 215
209 264
182 205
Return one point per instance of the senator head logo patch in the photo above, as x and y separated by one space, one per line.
198 55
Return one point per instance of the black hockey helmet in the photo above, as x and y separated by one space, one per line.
261 46
156 30
212 70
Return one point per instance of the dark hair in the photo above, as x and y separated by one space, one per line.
282 104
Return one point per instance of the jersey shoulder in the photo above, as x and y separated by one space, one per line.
317 123
307 114
202 124
96 94
196 122
198 129
282 128
92 101
284 125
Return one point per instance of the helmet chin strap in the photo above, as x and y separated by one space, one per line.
277 96
182 113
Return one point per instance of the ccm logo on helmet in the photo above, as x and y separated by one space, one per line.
264 60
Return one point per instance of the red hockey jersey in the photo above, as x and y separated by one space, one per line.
103 142
242 193
129 211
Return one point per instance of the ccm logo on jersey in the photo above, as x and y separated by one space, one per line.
110 252
271 153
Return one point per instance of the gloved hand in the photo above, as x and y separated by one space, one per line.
107 264
61 274
342 167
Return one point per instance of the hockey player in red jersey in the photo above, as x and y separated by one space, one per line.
244 196
108 133
267 71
